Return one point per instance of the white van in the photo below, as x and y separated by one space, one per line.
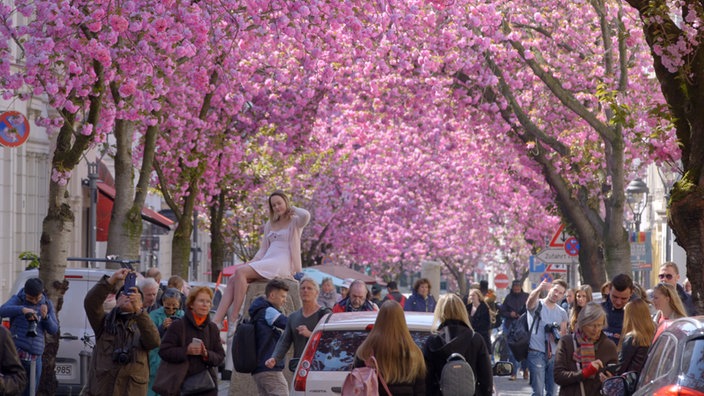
77 337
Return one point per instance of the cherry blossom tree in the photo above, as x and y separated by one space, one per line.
674 34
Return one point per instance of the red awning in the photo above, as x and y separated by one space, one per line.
104 211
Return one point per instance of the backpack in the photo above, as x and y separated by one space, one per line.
518 338
457 377
244 346
363 381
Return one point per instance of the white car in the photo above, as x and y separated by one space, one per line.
329 353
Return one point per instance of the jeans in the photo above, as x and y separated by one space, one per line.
38 370
541 373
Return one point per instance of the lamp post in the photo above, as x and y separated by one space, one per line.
637 199
669 173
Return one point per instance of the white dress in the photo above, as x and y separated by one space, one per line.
277 260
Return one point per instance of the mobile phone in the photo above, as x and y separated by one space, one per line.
130 282
196 341
612 368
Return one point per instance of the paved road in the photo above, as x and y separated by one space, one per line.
504 387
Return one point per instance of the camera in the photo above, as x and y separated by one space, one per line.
31 324
174 317
553 328
122 355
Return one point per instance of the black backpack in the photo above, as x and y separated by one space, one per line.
457 377
244 346
518 338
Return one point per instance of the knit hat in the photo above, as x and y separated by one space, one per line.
33 287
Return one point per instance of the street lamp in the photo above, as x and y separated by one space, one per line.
637 198
669 173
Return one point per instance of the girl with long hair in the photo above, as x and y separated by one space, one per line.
668 303
452 333
582 296
479 315
399 360
638 332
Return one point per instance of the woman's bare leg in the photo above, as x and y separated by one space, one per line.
227 299
244 275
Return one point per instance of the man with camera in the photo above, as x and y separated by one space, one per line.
31 314
124 336
550 326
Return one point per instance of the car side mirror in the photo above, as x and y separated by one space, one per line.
293 363
502 369
614 386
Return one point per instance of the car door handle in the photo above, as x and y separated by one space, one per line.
336 389
68 336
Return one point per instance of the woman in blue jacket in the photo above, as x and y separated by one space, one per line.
421 300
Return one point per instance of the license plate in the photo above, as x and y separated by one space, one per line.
64 371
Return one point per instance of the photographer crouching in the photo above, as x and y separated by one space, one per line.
124 336
31 315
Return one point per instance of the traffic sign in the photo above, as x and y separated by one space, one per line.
554 256
556 268
572 246
501 281
546 277
536 266
558 239
14 128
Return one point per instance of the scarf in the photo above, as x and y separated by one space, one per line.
199 320
585 352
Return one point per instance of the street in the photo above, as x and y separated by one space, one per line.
504 387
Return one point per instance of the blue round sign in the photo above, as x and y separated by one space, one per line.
572 246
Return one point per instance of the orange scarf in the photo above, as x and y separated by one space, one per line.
199 319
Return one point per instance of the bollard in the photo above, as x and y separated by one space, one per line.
85 362
33 377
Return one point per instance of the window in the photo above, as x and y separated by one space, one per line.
661 360
693 365
336 348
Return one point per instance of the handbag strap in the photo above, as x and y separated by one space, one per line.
381 378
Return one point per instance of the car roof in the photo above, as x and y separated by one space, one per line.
686 327
360 320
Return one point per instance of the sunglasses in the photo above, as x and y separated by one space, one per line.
665 276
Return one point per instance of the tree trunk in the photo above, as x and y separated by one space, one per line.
126 219
687 222
217 239
57 228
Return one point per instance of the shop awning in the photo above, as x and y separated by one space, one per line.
106 197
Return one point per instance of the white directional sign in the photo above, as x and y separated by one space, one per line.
554 256
556 268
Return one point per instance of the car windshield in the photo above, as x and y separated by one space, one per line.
693 365
336 348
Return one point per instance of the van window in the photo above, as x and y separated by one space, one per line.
336 348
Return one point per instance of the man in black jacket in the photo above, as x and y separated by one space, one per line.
514 306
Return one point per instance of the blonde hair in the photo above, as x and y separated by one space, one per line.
670 292
272 215
638 323
399 359
450 307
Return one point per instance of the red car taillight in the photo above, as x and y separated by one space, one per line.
677 390
299 383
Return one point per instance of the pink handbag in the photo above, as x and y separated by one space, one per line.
364 381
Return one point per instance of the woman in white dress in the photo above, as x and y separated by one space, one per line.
279 255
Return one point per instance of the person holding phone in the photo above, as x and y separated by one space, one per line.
195 339
124 336
582 357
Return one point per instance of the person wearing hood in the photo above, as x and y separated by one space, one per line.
269 324
195 339
123 337
31 315
452 323
421 300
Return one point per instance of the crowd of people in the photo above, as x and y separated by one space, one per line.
154 340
